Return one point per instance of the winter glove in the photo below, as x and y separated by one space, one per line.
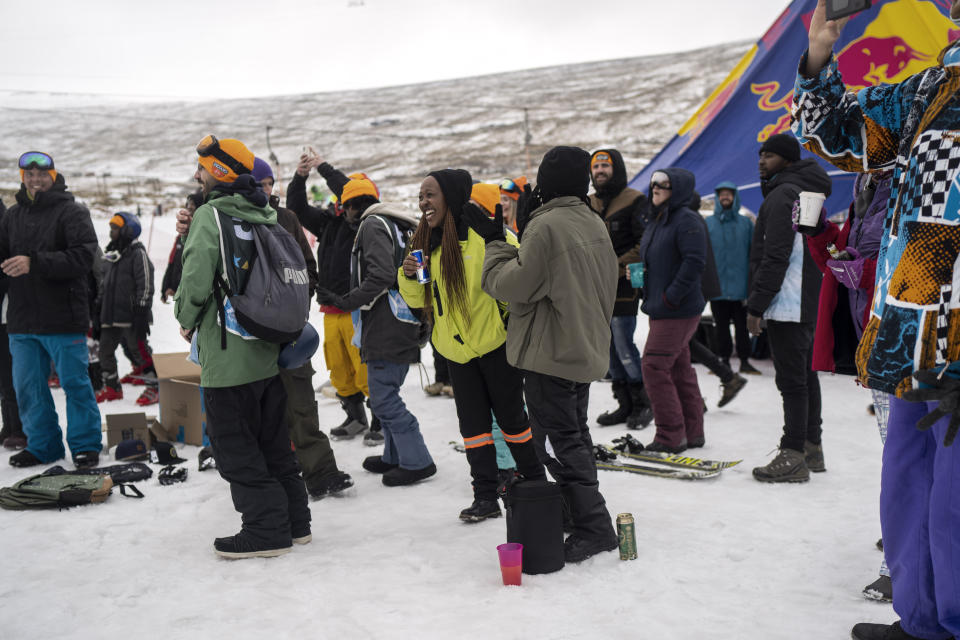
944 389
848 272
488 228
141 323
528 202
329 298
795 218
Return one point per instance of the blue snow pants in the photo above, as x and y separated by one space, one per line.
920 521
31 355
402 442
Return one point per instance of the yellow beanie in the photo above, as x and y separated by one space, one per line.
486 195
235 150
358 187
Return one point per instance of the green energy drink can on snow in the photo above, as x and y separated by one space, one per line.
423 272
627 535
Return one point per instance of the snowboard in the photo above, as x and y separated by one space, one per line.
660 472
675 459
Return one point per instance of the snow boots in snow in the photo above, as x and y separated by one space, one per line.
730 389
399 477
621 392
356 421
577 549
788 466
880 589
641 413
239 546
871 631
330 484
481 510
373 437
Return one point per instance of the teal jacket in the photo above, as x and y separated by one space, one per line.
195 307
730 236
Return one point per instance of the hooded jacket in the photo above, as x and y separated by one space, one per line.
625 212
674 253
57 234
373 272
785 282
560 286
195 306
731 234
335 233
127 286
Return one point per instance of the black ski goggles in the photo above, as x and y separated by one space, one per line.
35 160
210 146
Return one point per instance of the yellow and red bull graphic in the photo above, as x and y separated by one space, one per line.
885 44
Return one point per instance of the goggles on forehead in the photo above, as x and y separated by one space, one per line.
510 186
601 157
661 180
35 160
210 146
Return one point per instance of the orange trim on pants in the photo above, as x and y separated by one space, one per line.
517 438
347 374
482 440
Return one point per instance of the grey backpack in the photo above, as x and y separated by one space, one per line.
264 281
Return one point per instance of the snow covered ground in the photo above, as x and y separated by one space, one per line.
725 558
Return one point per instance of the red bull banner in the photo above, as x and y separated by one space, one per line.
885 44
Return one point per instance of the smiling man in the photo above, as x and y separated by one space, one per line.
47 246
913 334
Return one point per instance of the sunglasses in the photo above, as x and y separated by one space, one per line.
210 146
509 186
35 160
661 185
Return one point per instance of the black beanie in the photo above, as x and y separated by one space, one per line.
784 145
564 171
456 185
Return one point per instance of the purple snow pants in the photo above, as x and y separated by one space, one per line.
920 521
671 382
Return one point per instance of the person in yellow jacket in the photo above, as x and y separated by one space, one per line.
468 330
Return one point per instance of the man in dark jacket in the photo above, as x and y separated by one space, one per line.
624 211
560 286
673 252
784 291
47 244
389 332
335 234
317 460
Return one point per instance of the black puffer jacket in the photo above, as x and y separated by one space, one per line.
775 244
57 234
127 286
334 233
625 212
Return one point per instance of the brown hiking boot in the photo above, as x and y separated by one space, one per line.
788 466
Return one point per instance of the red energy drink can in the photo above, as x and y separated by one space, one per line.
423 272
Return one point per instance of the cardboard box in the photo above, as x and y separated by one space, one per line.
182 414
127 426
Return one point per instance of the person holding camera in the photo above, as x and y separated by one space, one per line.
913 333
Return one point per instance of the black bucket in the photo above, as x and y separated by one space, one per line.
535 520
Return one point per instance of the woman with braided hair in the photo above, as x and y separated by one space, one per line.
468 330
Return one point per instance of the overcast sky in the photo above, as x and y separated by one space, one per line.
195 48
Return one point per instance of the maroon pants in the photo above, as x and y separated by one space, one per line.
671 381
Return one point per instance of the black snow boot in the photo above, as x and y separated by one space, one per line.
481 510
621 392
356 421
871 631
641 413
240 546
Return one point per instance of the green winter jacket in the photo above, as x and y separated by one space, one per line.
560 287
195 306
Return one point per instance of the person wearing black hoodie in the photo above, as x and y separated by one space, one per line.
624 212
47 247
785 286
674 253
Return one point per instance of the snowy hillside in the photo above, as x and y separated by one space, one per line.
396 134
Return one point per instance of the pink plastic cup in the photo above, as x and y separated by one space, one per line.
511 562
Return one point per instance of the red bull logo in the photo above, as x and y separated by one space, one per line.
871 61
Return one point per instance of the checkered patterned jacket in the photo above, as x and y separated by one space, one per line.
913 128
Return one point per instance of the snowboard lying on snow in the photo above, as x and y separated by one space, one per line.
627 454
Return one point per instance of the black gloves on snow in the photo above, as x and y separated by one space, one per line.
944 389
488 228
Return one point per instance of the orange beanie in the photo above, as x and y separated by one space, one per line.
237 151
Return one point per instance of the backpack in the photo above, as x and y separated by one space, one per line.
60 490
263 291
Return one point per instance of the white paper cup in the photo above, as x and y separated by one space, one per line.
811 203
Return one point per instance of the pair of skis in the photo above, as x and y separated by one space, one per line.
628 455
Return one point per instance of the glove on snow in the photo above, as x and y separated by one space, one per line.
945 390
848 272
